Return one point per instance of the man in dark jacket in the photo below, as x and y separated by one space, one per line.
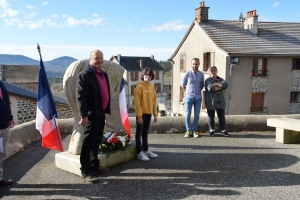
93 102
6 122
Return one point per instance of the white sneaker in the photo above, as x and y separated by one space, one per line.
142 156
150 154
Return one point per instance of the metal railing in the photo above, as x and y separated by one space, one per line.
260 73
259 109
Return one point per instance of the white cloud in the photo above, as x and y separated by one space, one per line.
168 26
45 3
72 22
95 15
50 52
31 7
6 11
50 23
54 16
23 23
276 4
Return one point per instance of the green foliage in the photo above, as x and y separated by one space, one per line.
167 65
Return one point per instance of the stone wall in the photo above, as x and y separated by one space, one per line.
26 110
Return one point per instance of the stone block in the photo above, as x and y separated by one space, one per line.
71 163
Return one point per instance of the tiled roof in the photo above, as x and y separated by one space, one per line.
27 93
131 63
273 38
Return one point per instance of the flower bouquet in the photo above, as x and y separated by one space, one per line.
113 142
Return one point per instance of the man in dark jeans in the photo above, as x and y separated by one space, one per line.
93 102
6 122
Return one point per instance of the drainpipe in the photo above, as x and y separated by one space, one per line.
172 89
232 66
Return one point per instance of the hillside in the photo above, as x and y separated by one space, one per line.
55 67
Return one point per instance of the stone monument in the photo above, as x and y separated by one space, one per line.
114 123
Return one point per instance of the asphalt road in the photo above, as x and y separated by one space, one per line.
248 165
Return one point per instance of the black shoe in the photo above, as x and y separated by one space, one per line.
212 134
90 179
225 134
4 183
100 170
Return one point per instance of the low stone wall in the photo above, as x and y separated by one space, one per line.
26 133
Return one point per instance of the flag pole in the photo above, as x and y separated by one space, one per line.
39 49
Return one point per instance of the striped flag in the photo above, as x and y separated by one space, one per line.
123 107
46 114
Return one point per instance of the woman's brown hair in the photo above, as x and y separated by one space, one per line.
145 70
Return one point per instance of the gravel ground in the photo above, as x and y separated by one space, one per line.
247 165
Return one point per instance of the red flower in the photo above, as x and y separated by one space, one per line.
115 140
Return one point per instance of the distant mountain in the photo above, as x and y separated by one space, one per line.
56 67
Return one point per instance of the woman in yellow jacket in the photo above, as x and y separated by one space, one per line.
145 106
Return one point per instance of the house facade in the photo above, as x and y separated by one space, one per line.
259 60
133 66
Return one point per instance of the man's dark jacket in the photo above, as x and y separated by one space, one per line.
88 94
5 112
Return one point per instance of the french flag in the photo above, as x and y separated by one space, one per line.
123 107
46 114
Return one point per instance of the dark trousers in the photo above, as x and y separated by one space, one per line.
211 119
142 130
93 134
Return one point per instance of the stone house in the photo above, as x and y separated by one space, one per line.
23 102
259 60
133 66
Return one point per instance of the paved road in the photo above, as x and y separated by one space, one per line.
248 165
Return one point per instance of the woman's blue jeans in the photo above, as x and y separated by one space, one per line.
189 102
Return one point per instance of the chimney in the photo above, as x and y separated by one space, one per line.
251 21
141 64
152 57
119 59
202 13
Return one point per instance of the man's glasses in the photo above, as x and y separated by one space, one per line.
147 75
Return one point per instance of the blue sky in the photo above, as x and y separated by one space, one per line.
127 27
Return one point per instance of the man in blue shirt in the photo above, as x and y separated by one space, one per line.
192 85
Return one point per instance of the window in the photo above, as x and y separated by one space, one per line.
181 94
182 62
257 102
170 87
295 97
156 75
157 87
208 60
132 89
296 64
260 67
134 76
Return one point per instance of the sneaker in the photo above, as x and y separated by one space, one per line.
187 134
225 134
90 179
142 156
150 154
196 134
4 183
212 134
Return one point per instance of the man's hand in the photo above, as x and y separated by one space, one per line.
106 117
155 119
140 120
11 123
83 121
